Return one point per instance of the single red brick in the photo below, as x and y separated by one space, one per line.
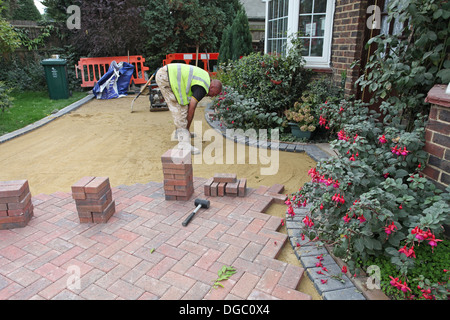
169 188
3 213
168 176
177 172
104 216
95 196
20 205
78 187
276 188
14 199
177 156
96 185
431 172
3 207
221 189
242 187
184 198
185 188
225 177
85 219
183 182
207 187
434 149
214 186
232 188
79 196
170 198
20 212
176 166
178 193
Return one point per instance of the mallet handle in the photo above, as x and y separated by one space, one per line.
188 219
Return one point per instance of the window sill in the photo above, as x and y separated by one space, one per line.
320 69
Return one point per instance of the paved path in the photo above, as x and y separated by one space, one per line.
143 252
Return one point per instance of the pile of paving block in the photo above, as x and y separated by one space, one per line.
93 199
225 184
178 174
16 207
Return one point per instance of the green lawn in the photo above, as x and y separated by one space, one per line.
31 106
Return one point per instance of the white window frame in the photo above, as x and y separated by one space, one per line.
293 20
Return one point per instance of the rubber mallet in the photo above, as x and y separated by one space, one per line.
200 203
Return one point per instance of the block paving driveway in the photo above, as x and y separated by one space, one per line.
144 252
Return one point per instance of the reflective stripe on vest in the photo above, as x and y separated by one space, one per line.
182 77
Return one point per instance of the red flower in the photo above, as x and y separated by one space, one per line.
408 252
390 228
432 241
344 269
346 218
324 281
382 139
308 222
361 218
399 285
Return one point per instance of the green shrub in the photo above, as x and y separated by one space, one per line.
237 112
23 75
5 98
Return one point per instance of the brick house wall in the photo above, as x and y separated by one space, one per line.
437 137
349 28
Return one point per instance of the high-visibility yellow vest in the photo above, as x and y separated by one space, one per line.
183 76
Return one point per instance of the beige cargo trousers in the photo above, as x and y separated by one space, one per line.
179 112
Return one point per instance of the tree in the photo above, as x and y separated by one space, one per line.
238 41
8 37
26 10
225 45
183 26
109 28
57 9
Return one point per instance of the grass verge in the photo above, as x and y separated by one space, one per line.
31 106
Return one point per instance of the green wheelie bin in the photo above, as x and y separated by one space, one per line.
56 77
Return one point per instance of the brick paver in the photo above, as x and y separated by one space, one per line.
144 252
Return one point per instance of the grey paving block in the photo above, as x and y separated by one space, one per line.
344 294
331 283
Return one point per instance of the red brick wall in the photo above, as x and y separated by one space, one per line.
437 136
348 40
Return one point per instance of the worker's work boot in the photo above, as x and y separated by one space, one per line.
184 141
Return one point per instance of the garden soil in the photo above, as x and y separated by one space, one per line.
102 138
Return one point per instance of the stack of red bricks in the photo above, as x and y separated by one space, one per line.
225 184
16 207
178 174
93 199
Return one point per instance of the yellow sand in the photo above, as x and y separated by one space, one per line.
102 138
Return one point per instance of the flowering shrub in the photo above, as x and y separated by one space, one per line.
371 199
303 116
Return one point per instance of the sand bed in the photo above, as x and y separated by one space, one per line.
102 138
